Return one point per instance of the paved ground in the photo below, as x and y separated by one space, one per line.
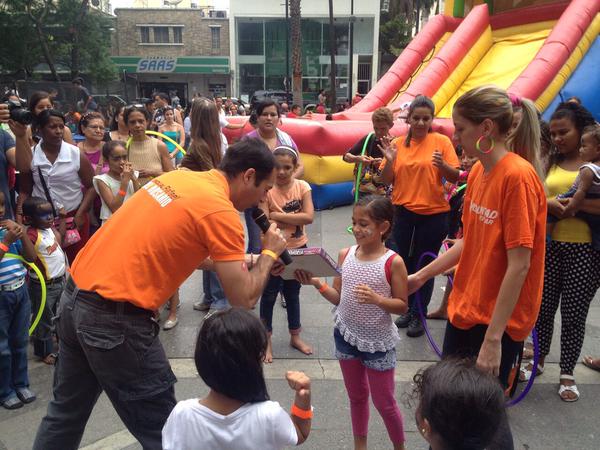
541 421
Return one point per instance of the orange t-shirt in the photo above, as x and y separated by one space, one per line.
418 184
152 244
289 201
503 209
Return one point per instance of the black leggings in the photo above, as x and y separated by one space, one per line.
466 344
415 234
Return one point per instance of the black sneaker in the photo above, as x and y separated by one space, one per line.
415 328
403 320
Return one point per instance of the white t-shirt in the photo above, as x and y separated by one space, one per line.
222 120
263 426
115 186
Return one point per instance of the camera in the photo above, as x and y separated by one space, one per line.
19 113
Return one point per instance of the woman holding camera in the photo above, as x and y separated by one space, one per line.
56 170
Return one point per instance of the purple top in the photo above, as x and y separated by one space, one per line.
282 138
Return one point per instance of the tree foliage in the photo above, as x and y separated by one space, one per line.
63 33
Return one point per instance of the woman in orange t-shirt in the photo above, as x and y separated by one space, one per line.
417 164
498 283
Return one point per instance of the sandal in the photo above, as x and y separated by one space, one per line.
564 388
50 359
525 373
591 363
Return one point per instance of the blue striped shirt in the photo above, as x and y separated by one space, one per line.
11 269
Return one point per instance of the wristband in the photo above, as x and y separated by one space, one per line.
305 414
3 247
270 253
323 288
122 193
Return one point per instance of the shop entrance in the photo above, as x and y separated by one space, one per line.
147 89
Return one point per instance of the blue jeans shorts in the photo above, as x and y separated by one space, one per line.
379 361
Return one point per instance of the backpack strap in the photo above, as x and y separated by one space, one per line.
388 267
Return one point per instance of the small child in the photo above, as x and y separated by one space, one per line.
119 183
290 205
51 261
373 286
370 181
586 185
15 312
237 413
460 407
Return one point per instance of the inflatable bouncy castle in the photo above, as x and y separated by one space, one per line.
544 50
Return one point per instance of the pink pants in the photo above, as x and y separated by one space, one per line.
359 380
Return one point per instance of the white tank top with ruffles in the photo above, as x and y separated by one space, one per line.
367 327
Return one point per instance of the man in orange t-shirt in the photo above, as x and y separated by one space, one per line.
132 265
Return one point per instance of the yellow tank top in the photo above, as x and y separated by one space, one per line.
144 155
572 229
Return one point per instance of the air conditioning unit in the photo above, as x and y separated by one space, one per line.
194 5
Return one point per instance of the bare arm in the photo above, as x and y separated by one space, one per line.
585 183
519 259
86 174
331 293
181 135
23 153
305 217
447 171
443 263
113 202
591 205
299 173
300 383
389 153
236 126
165 157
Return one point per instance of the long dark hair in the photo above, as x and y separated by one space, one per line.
229 352
114 123
578 116
204 152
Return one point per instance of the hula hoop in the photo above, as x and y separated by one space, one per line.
37 271
359 173
436 349
156 133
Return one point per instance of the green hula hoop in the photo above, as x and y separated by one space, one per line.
166 138
37 271
359 173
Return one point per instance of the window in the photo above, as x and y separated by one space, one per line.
144 35
215 36
250 38
161 35
178 35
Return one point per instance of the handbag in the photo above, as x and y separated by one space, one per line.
72 235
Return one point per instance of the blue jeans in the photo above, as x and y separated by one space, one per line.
254 233
213 291
112 347
414 235
291 292
15 309
43 343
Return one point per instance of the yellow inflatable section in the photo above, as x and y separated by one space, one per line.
512 49
326 169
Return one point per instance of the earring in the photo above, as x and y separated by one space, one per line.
478 145
423 430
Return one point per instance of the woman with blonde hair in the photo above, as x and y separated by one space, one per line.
500 273
205 152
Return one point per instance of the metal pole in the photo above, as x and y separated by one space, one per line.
332 48
351 54
287 52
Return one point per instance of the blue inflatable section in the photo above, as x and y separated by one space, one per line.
584 83
331 195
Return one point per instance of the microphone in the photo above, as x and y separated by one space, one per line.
263 223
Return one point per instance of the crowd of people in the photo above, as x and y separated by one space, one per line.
514 200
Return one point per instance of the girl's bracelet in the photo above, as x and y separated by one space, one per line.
122 193
3 247
305 414
323 288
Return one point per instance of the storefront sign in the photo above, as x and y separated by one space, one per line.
156 65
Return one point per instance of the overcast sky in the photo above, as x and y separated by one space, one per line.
218 4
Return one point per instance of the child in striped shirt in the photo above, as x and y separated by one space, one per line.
15 310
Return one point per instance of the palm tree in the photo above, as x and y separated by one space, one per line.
295 26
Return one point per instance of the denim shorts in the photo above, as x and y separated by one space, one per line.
379 361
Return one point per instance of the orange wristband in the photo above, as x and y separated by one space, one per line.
323 288
3 247
270 253
305 414
122 193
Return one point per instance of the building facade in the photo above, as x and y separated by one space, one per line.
181 51
260 32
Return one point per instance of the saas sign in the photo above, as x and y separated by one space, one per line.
156 64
